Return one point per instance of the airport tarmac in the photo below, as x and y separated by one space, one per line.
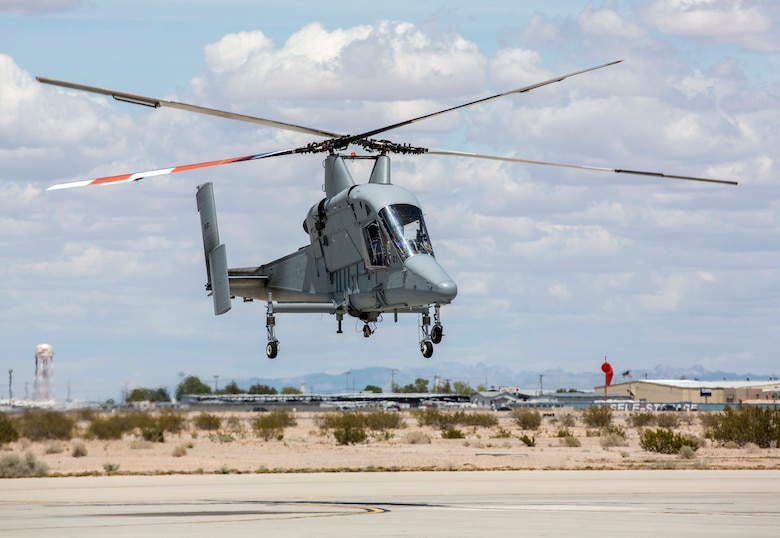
663 503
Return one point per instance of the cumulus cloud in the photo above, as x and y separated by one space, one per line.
387 60
608 22
743 21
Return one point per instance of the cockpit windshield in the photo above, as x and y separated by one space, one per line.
406 226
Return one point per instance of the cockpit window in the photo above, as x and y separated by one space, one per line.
406 226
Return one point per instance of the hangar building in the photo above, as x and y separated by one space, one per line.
684 390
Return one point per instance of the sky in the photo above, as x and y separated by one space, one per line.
556 268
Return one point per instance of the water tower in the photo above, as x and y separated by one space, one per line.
43 387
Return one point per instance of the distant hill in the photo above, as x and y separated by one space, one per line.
484 374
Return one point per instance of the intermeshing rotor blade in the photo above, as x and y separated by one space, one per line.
153 102
353 138
124 178
576 166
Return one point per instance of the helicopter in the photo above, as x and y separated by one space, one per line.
369 250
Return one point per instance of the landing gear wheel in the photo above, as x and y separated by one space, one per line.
367 331
272 349
437 333
426 348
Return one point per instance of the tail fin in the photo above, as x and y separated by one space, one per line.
216 255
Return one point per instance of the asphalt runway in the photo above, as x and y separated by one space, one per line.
452 504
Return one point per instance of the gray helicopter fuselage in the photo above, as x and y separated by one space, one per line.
369 252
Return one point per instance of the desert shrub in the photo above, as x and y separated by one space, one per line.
667 420
153 434
383 420
54 447
38 425
610 439
484 419
8 432
179 451
435 417
272 425
686 452
502 433
641 420
709 420
110 427
568 420
138 419
746 424
207 422
417 438
110 468
452 433
597 416
665 441
563 432
170 421
526 419
79 450
570 441
528 441
15 466
234 425
350 435
347 427
350 426
444 419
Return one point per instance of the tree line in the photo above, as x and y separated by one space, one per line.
194 385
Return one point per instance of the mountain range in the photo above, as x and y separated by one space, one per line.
481 374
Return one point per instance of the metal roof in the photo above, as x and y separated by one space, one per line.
692 384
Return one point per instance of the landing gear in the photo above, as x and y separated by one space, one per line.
431 335
367 331
437 333
272 347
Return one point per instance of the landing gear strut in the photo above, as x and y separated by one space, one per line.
272 347
431 335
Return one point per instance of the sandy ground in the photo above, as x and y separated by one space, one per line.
305 448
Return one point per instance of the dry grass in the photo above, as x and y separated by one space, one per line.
234 448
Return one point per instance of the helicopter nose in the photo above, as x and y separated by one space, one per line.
447 289
440 287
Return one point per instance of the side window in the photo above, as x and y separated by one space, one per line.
377 255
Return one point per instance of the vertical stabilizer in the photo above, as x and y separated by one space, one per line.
337 176
216 255
381 172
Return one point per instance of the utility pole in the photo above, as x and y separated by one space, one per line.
10 385
216 383
541 385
